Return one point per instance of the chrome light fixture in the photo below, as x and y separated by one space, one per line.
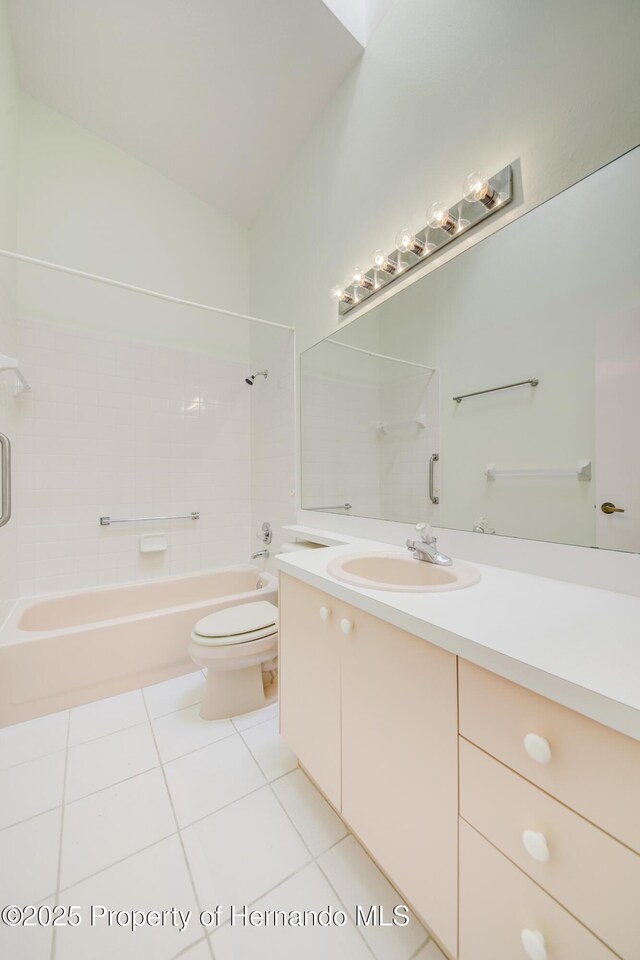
482 197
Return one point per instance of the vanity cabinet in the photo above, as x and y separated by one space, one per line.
418 748
309 682
371 712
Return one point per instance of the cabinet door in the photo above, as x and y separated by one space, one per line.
399 763
309 681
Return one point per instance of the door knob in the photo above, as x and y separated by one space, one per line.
608 507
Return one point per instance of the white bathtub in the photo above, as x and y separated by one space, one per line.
61 651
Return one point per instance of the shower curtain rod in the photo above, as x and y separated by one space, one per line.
378 356
128 286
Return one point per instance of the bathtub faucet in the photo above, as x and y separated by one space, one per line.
260 553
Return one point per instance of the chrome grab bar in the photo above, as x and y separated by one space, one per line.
107 521
5 484
432 459
338 506
478 393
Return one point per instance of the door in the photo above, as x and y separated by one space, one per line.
617 443
399 762
309 678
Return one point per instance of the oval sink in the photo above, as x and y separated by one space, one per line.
401 572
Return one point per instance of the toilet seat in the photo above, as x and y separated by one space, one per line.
237 624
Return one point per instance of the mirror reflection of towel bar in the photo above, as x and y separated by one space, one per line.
582 471
478 393
339 506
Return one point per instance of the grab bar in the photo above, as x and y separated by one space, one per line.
107 521
5 485
432 459
521 383
339 506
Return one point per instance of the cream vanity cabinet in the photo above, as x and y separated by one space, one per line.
371 711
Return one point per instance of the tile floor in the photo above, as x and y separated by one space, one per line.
135 802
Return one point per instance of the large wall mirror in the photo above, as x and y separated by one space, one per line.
537 329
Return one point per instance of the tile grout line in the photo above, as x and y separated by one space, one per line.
179 830
62 810
313 859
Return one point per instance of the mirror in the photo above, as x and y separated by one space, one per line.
501 391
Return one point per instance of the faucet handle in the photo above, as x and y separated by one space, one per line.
426 533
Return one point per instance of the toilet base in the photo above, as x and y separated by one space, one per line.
229 693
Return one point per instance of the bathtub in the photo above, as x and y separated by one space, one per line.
61 651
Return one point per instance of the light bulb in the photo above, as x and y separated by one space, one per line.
407 241
438 215
380 261
360 279
477 188
338 295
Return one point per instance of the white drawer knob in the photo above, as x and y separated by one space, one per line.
346 625
538 748
325 613
534 945
536 845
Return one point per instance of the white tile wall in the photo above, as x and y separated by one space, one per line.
272 434
126 429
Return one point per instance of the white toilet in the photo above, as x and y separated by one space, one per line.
236 646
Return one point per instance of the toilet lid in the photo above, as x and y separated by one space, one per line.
260 618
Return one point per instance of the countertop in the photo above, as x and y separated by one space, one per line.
577 645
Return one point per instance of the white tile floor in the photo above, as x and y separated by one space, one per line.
136 803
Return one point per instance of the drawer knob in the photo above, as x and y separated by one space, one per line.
536 845
534 945
346 625
538 748
325 613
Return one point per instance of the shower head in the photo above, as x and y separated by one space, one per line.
251 380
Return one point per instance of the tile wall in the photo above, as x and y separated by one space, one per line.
126 429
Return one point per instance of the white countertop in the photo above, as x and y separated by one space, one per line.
577 645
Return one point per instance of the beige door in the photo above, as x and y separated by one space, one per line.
309 672
399 762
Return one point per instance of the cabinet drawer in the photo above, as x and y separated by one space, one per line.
498 903
596 878
591 768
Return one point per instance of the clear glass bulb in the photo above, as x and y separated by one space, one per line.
378 259
406 240
476 188
360 279
336 293
437 214
403 239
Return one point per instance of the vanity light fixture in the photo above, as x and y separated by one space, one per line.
482 197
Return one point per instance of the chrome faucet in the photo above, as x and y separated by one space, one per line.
426 547
260 553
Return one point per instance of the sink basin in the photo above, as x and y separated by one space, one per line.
401 572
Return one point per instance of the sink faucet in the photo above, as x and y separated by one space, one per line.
426 547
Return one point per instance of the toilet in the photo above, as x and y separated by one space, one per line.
238 647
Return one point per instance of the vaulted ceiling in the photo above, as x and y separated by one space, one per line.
215 94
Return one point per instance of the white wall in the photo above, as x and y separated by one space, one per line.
124 428
8 172
443 89
86 204
139 407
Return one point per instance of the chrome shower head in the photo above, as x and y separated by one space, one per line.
251 380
